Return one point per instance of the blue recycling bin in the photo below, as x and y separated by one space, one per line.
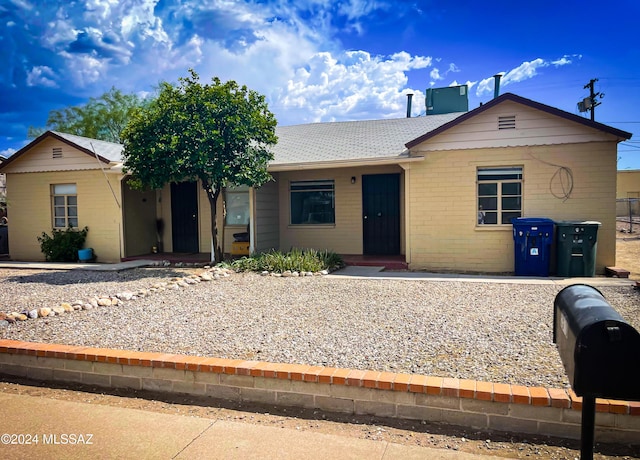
532 237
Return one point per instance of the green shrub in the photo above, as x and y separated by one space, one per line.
300 260
63 245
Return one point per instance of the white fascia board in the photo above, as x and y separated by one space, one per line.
343 163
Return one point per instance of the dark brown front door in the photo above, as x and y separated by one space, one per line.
184 216
381 214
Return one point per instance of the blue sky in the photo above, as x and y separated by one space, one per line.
318 60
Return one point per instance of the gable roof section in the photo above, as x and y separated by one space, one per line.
524 101
336 143
107 152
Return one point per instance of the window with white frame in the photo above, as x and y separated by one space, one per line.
64 199
499 195
237 205
312 202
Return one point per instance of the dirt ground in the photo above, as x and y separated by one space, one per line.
405 432
628 248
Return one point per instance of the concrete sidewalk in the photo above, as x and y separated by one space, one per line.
66 429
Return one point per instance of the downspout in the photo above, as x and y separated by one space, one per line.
496 85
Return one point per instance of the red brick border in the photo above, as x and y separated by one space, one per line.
414 383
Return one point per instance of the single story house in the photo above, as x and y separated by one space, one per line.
438 190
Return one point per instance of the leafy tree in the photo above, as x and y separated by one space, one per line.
219 133
102 118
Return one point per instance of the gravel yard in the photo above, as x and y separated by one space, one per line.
482 331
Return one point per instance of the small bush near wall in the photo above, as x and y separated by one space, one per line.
300 260
62 245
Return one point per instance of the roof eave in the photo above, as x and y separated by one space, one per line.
621 135
281 167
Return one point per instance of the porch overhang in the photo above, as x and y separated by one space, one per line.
343 163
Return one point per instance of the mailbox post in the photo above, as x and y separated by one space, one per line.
599 350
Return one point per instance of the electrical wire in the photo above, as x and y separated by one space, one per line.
564 175
105 175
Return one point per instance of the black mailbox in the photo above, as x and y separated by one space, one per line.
599 350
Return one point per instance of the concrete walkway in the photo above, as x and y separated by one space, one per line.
73 266
354 272
77 430
379 273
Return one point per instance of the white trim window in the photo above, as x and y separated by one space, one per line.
312 202
237 205
499 195
64 201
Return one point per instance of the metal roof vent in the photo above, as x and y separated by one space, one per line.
57 152
507 122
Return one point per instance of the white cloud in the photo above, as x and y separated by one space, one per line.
437 76
350 85
525 71
7 152
42 76
85 69
566 59
470 84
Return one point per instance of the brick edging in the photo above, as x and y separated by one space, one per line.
397 382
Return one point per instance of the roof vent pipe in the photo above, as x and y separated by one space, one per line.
409 97
496 85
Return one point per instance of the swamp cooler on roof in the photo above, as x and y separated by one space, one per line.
447 100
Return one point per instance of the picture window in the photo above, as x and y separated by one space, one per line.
312 202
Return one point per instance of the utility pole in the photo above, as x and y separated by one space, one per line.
590 103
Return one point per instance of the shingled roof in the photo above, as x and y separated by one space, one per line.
107 150
345 141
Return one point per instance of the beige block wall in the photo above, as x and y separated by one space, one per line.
628 182
29 203
345 237
442 230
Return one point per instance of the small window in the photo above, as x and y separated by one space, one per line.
312 202
508 122
57 152
499 195
237 205
65 206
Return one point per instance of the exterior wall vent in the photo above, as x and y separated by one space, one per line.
57 152
508 122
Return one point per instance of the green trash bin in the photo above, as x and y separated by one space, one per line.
576 245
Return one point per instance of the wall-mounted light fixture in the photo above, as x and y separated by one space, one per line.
353 179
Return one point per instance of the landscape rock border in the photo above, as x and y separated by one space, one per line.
112 300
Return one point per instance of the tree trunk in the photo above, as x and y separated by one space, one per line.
212 194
